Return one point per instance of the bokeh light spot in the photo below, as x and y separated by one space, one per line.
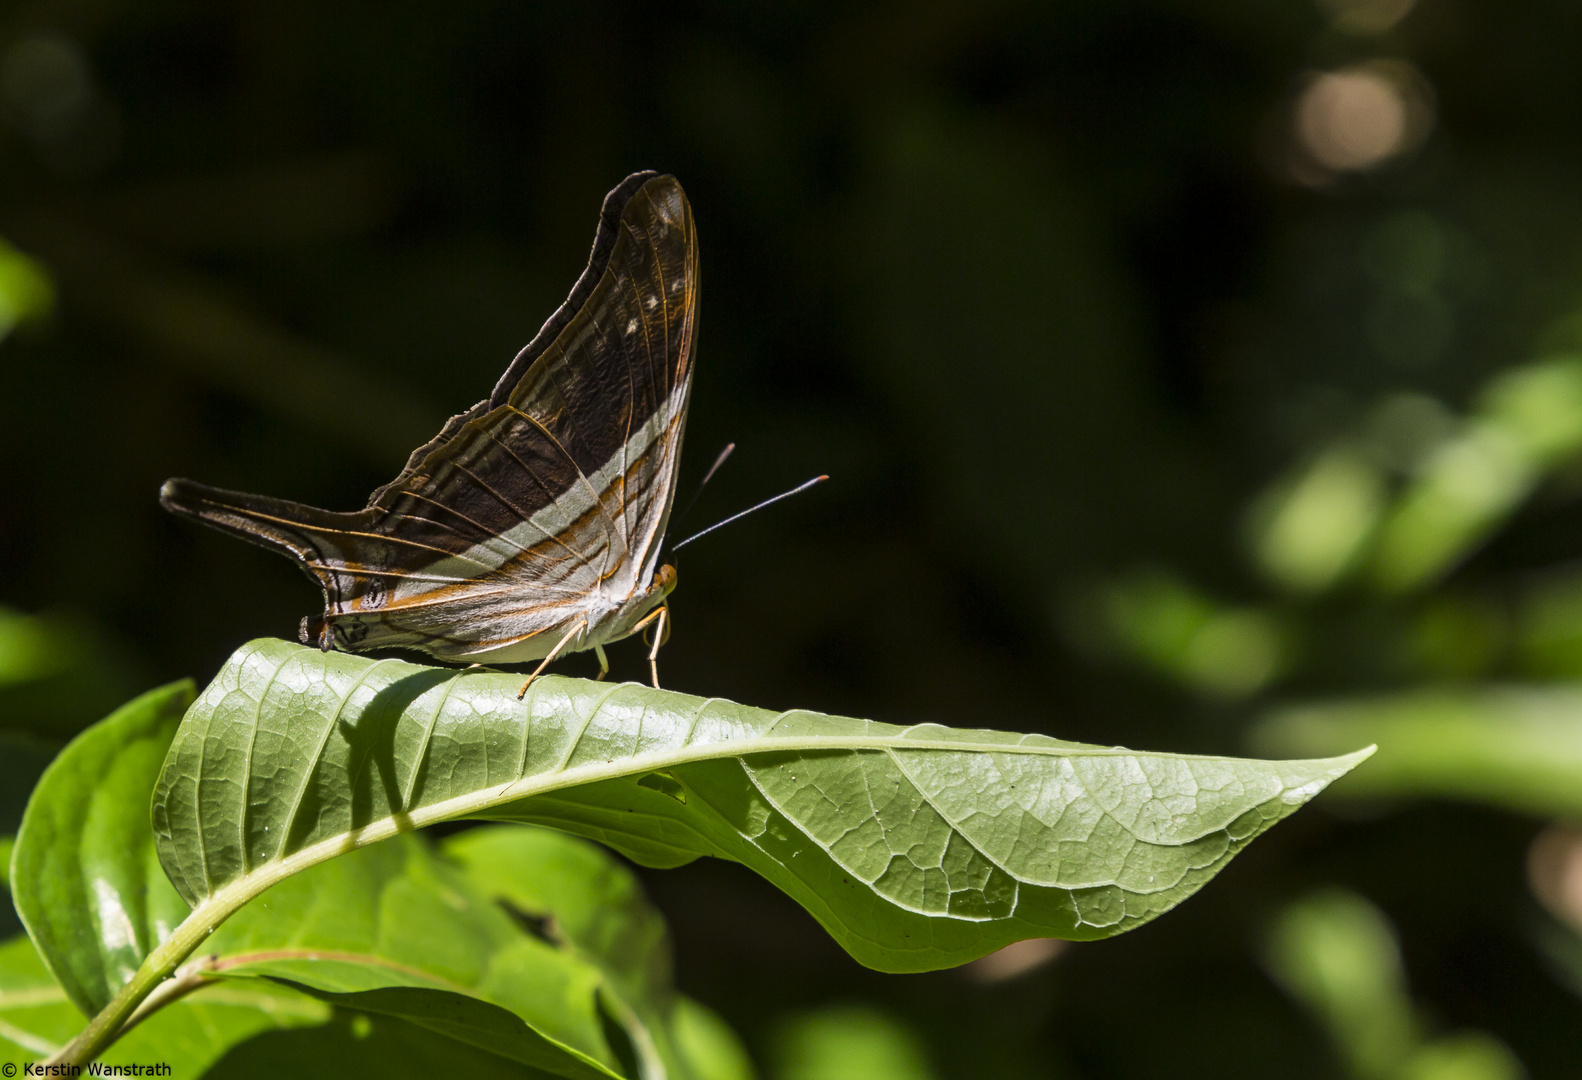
1358 118
1351 119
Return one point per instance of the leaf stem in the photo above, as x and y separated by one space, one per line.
150 985
151 978
193 975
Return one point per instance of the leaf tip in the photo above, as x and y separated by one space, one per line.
1346 762
1325 771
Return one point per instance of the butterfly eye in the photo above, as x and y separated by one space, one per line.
665 579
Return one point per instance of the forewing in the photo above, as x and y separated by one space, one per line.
620 375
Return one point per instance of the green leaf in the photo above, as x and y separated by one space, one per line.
707 1044
26 290
394 930
84 872
359 1044
595 907
917 848
58 672
849 1043
1528 422
389 929
1512 747
1467 1055
36 1018
596 904
1337 954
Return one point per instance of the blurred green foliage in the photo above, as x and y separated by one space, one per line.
1337 954
848 1043
1182 369
26 291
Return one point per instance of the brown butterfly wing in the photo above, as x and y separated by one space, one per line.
539 506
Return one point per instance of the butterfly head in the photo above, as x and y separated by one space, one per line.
664 581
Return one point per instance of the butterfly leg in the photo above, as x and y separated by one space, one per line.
573 632
662 615
661 635
604 662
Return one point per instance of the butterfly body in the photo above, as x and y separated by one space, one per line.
532 524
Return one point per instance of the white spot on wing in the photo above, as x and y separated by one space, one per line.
652 303
631 326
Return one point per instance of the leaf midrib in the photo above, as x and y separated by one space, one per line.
236 892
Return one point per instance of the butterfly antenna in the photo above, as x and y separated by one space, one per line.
725 453
730 447
767 502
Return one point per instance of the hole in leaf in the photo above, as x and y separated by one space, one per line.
542 927
665 784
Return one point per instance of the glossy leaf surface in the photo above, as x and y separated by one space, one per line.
917 847
85 876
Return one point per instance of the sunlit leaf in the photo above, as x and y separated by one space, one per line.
1540 405
388 929
84 874
1528 421
1469 1055
1466 488
917 847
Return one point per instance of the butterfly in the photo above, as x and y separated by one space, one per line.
532 524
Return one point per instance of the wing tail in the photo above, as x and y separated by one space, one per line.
314 538
280 525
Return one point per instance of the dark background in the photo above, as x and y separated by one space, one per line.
1053 291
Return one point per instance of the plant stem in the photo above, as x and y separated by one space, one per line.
193 975
160 964
106 1027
